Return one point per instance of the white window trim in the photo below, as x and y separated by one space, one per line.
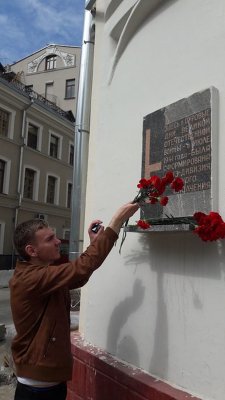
67 184
36 180
70 144
7 174
12 116
59 156
2 235
56 197
40 131
65 231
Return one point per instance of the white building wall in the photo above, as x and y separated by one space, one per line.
161 304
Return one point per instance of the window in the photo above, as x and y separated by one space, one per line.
5 165
2 175
4 122
28 191
49 92
50 62
71 155
32 136
55 145
70 89
66 234
2 233
31 182
69 195
7 121
51 189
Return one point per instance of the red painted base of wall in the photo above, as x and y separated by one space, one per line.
99 376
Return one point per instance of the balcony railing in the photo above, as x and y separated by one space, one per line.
11 78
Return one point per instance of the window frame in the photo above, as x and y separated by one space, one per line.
71 144
68 88
30 121
2 175
59 152
65 232
67 194
12 116
4 122
6 178
57 186
50 59
36 182
2 235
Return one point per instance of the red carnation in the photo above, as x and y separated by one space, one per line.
153 200
177 184
164 200
210 227
169 177
215 216
143 224
199 217
161 188
143 183
155 181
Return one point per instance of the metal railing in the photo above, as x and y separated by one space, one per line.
12 79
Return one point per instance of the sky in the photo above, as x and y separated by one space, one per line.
29 25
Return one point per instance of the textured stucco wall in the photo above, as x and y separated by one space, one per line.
159 305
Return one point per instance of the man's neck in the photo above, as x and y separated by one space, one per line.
37 261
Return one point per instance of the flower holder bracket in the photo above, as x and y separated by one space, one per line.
167 224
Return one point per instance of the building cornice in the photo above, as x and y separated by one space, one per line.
17 89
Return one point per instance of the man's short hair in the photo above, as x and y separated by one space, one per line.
25 233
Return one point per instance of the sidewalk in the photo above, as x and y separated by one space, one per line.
7 381
7 378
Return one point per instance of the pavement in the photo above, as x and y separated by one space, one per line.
5 276
7 378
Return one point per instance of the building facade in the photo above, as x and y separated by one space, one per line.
53 72
36 162
159 305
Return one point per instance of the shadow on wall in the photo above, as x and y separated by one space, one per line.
127 348
160 356
186 257
181 253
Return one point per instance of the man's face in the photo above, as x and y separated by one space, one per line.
46 246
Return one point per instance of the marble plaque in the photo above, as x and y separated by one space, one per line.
182 137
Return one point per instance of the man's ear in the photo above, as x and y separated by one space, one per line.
30 250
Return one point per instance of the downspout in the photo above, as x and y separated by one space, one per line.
82 130
19 186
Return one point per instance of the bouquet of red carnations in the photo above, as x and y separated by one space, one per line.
151 191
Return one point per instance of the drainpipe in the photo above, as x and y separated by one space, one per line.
19 186
82 130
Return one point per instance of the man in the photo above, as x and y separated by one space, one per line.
40 303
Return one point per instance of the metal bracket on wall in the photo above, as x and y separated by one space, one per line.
173 224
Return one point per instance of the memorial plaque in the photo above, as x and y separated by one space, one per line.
181 138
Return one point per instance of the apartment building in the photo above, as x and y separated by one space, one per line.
53 72
36 162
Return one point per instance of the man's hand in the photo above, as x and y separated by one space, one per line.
94 234
122 215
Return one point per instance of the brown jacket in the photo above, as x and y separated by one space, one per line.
40 304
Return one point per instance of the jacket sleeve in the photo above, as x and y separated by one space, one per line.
42 280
